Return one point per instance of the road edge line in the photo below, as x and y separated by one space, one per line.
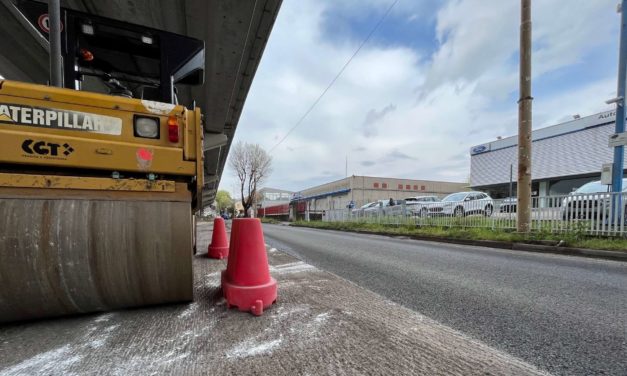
514 246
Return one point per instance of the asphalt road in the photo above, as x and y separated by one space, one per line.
566 315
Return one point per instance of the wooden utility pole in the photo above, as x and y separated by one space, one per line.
524 121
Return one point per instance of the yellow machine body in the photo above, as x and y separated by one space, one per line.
92 216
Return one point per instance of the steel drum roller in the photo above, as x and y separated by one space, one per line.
66 256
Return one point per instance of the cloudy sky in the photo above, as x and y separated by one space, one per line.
438 77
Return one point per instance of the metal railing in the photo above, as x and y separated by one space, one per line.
592 214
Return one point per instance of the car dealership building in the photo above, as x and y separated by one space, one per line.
564 157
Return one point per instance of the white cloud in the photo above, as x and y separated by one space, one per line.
442 104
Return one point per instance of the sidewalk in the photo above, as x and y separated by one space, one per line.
321 325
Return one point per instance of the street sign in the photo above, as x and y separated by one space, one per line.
43 21
37 14
606 173
618 139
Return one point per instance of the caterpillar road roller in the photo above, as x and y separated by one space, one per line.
98 188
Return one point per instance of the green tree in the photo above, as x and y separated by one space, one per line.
223 200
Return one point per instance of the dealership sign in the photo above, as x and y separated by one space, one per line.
607 115
618 139
479 149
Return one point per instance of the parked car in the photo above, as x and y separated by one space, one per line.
360 211
590 201
508 205
464 203
393 207
419 205
378 205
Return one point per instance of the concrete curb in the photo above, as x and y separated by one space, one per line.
527 247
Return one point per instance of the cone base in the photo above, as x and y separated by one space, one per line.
252 299
218 252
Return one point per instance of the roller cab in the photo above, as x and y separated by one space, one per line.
99 180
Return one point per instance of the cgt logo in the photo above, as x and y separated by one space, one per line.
46 148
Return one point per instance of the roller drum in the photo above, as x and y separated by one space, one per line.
69 256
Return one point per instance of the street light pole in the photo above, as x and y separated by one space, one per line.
54 20
523 210
619 152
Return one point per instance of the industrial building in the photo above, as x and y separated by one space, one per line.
364 189
271 196
272 202
564 157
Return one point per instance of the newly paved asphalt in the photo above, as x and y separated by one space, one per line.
566 315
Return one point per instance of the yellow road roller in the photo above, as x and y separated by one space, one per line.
100 177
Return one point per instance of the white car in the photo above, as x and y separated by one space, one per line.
590 201
360 211
377 207
419 205
462 204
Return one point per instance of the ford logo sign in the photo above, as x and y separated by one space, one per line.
479 149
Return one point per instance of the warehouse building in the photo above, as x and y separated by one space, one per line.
564 157
360 190
271 197
272 202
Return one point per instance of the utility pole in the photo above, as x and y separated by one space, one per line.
54 20
523 209
619 152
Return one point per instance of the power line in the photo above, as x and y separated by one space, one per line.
313 105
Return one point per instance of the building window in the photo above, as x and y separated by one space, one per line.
408 186
376 185
422 188
400 186
384 185
415 187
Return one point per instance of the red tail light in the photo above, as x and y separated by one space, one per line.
86 55
173 129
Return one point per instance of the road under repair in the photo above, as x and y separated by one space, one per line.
321 325
566 315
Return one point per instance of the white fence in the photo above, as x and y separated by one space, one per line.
593 214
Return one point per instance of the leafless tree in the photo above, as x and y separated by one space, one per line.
252 165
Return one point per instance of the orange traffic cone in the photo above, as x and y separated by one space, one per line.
219 247
246 282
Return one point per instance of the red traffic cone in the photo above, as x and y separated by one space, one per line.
246 282
219 247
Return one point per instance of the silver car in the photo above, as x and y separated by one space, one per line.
419 205
360 211
462 204
589 201
508 205
378 207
